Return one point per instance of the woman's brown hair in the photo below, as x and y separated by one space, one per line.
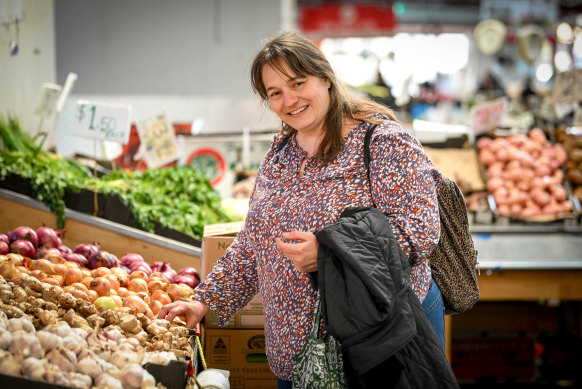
306 59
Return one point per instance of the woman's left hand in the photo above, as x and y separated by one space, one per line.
304 253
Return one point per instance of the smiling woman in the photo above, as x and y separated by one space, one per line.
312 172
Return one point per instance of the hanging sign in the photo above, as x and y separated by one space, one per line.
487 116
347 19
567 86
158 140
102 121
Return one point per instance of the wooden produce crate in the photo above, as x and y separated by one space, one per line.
17 210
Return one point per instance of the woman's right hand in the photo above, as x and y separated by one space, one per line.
193 311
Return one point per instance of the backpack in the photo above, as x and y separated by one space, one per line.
454 260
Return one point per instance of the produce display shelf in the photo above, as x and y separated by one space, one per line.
17 209
528 247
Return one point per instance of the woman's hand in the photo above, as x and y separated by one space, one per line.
302 254
193 311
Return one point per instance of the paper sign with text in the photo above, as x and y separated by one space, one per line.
487 116
157 139
567 86
102 121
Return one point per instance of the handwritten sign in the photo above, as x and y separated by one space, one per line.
157 140
102 121
487 116
567 86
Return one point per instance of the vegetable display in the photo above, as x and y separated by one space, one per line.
178 197
69 323
525 175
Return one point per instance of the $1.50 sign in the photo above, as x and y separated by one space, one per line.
102 121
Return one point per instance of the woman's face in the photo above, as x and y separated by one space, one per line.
301 102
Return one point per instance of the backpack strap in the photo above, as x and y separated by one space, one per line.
367 157
283 143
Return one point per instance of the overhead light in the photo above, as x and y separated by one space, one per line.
564 33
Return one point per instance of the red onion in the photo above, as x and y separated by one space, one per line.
165 269
4 248
191 271
48 237
22 247
44 251
130 258
4 238
76 257
26 233
102 259
87 250
143 267
187 279
64 249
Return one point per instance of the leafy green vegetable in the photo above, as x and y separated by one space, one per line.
178 197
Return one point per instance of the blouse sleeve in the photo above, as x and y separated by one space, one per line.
404 185
232 283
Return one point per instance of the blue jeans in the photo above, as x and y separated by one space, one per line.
434 307
284 384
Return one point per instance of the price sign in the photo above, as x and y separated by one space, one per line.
487 116
157 139
102 121
567 86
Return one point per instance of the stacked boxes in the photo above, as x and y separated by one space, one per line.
239 347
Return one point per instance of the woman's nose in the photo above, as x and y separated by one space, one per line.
289 98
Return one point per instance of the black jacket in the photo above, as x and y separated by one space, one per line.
368 305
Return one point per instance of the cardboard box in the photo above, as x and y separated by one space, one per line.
242 352
215 241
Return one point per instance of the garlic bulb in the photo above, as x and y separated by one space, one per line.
10 364
65 359
19 323
78 380
133 376
25 345
48 340
5 339
104 380
33 368
159 357
122 358
89 366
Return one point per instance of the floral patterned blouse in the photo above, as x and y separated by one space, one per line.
404 182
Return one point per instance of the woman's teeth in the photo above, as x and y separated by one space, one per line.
299 110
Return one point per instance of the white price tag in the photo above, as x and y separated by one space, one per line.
487 116
102 121
158 140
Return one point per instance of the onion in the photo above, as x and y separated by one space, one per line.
87 250
187 279
101 285
165 269
44 251
48 237
4 248
25 233
22 247
190 270
73 275
102 259
79 259
135 302
131 258
64 249
4 238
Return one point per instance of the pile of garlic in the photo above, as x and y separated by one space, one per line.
47 334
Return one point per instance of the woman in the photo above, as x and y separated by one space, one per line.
304 186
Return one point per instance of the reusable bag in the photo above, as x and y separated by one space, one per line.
453 261
319 365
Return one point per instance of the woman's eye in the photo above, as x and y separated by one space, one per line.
299 83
